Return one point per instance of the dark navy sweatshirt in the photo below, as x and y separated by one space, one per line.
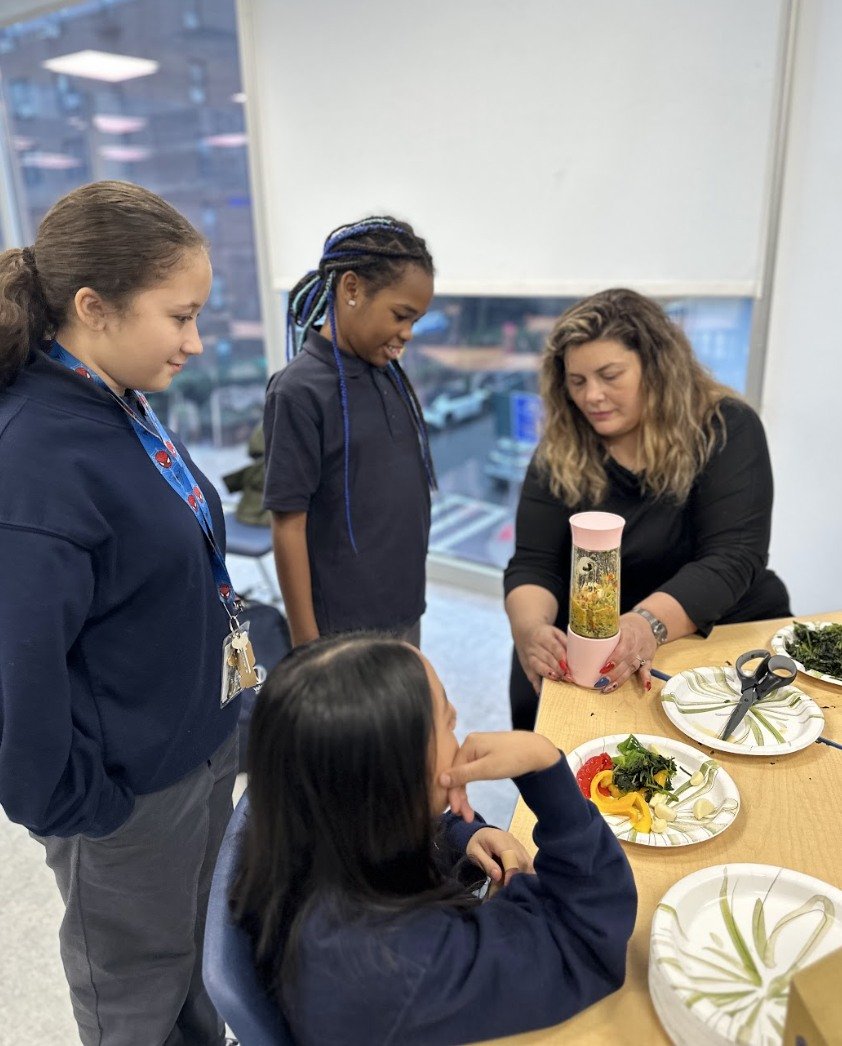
111 628
545 947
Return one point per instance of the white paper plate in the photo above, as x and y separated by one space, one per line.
700 700
725 943
685 830
681 1026
780 639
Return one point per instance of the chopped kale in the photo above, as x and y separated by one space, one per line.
819 649
635 767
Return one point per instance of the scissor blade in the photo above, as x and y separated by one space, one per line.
738 715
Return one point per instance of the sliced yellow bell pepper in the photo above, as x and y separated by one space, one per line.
624 804
604 778
622 807
643 822
608 804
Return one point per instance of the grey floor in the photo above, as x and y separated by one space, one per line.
465 636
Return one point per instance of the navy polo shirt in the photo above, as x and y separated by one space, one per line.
381 585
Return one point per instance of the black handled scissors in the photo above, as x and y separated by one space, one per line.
773 672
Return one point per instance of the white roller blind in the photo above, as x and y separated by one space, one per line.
542 146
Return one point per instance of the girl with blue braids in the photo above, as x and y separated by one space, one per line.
348 466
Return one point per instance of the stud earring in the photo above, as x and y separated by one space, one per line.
352 301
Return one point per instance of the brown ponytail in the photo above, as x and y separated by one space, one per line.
115 237
23 311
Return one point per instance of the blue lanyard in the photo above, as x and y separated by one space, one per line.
169 463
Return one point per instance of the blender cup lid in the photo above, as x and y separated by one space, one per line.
597 531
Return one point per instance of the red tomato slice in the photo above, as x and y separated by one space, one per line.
589 770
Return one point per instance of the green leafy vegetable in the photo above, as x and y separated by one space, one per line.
635 767
819 649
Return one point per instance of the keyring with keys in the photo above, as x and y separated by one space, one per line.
771 673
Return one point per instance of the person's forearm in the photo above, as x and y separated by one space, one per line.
289 540
671 612
529 606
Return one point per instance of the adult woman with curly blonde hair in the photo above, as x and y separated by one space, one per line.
635 425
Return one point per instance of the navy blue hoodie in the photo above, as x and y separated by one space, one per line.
547 946
111 628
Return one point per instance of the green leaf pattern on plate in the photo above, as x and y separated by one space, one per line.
737 984
713 690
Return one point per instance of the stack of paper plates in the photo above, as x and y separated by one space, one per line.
726 941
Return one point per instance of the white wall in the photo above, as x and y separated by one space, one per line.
802 395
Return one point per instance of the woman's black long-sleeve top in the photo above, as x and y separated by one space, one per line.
709 554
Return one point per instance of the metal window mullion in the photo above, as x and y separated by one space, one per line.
761 312
270 306
13 214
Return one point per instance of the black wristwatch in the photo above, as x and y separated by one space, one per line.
659 629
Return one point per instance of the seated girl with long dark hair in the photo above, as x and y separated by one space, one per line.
353 886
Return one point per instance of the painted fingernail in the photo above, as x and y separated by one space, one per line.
607 667
648 684
601 682
563 665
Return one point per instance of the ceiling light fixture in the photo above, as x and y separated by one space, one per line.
226 141
125 153
50 161
112 124
101 65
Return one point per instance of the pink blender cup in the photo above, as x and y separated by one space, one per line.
594 624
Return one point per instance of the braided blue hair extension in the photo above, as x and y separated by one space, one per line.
343 396
304 289
384 246
345 232
300 320
418 418
308 299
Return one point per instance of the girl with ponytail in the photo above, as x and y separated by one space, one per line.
118 746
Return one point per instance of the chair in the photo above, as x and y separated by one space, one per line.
228 970
254 542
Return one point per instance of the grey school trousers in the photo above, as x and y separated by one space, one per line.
135 905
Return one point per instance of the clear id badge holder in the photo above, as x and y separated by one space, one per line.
239 671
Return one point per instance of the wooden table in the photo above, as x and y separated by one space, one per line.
790 815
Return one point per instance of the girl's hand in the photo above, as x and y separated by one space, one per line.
493 757
490 843
542 651
637 643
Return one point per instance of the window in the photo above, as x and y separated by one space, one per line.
22 99
474 362
149 91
